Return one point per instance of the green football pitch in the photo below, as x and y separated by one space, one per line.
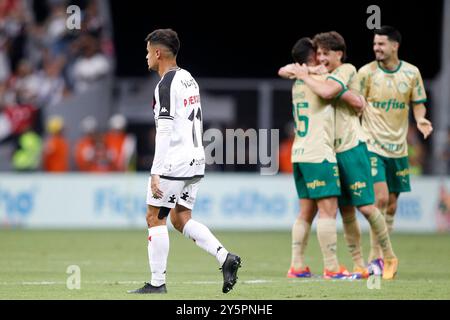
33 265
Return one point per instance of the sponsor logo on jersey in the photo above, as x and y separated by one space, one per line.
358 185
191 100
390 147
189 83
163 109
402 173
391 104
315 184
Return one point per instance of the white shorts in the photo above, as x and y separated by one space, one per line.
182 192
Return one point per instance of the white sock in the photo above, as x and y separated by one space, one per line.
203 237
158 251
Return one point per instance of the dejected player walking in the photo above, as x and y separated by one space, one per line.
178 165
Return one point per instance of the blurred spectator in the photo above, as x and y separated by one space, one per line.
286 149
5 7
27 156
446 154
416 152
55 27
93 21
5 68
91 67
85 146
51 83
14 17
15 118
102 161
23 85
56 148
120 145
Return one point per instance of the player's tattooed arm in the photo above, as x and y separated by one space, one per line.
423 125
328 89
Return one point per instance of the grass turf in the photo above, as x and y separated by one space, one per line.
33 265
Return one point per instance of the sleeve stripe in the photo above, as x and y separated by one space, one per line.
419 101
341 93
165 117
338 81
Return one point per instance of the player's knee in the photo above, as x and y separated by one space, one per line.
177 223
382 201
367 210
307 216
392 207
157 216
151 220
327 214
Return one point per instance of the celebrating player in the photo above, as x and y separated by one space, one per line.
391 87
351 151
178 165
315 170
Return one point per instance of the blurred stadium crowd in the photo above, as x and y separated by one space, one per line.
42 63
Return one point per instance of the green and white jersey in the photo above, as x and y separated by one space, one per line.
314 123
348 127
390 95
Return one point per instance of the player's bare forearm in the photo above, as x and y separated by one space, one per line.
324 89
419 111
356 101
423 125
287 72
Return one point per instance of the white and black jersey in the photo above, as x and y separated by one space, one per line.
179 152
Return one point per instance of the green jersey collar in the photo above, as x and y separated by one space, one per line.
390 71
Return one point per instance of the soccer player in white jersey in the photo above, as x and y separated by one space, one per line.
392 87
178 165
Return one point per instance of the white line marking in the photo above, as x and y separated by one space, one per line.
126 282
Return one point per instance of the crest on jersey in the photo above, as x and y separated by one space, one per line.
402 87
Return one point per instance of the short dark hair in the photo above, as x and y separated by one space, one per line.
392 33
302 50
166 37
331 41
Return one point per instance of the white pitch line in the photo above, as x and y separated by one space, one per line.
40 283
124 282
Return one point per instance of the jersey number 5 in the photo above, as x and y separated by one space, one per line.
301 121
